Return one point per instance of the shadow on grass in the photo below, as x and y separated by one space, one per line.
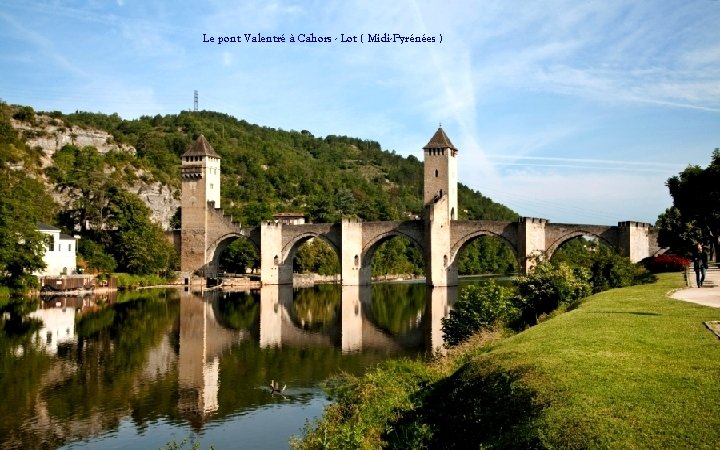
479 406
634 313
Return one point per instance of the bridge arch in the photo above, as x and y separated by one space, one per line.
291 248
468 238
560 241
216 249
370 247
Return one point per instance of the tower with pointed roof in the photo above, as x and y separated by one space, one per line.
200 174
441 172
201 168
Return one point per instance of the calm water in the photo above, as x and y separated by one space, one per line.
144 368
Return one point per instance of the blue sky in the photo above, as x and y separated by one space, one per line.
573 111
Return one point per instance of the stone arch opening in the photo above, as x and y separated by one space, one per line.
233 255
313 253
576 239
393 252
485 252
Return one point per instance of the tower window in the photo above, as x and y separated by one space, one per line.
436 173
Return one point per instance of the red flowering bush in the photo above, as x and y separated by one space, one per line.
665 263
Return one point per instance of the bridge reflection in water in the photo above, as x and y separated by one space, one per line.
353 323
134 365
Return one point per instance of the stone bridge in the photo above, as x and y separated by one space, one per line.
206 231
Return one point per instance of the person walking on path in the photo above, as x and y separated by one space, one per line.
700 265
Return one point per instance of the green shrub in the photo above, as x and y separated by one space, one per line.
610 270
129 281
549 286
363 407
479 307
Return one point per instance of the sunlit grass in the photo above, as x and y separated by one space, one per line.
629 368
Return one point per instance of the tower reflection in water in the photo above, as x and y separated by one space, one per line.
361 319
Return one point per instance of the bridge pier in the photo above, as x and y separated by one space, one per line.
273 267
531 242
351 259
438 268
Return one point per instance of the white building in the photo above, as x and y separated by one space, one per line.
60 252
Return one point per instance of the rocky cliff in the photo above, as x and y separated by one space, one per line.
52 134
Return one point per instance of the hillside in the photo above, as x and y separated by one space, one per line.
265 170
116 184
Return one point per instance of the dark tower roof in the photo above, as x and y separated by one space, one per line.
201 147
440 140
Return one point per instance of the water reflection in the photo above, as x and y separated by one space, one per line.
77 368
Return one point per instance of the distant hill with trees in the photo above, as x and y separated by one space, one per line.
264 171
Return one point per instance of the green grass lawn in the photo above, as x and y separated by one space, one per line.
628 368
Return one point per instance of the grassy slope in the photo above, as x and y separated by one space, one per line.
629 368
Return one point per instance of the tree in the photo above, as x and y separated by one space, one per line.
139 245
80 173
239 256
316 256
95 257
22 246
695 214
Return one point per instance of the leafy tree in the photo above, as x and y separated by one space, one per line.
487 254
607 269
316 256
21 246
397 256
695 214
139 245
239 256
80 173
94 256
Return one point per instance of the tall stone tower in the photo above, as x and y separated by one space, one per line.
441 206
441 172
200 173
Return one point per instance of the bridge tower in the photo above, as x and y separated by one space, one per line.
441 176
441 207
200 173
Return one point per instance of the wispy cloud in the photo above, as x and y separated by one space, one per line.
45 46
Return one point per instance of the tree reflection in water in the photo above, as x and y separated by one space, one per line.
154 359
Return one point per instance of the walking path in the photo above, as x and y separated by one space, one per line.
708 295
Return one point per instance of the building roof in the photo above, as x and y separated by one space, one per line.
41 226
440 140
201 147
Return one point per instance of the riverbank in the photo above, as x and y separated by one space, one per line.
628 368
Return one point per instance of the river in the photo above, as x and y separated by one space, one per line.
146 368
